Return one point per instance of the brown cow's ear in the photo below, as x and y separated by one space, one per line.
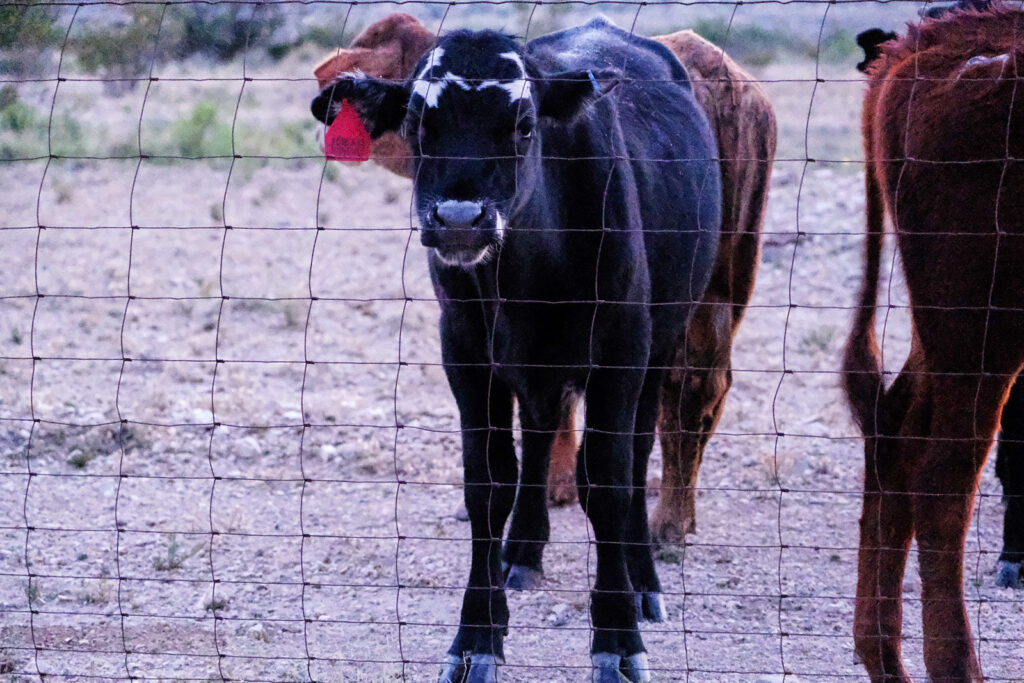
402 37
340 62
416 41
380 104
566 95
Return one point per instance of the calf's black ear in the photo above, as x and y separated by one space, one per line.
871 41
565 95
380 104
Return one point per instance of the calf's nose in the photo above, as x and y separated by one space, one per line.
454 215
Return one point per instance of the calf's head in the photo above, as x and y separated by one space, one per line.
474 112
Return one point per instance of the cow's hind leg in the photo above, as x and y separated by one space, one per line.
649 602
964 419
692 398
886 528
490 472
1010 469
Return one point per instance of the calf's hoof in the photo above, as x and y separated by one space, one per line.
1009 574
519 577
609 668
636 668
481 669
650 606
606 668
453 670
461 513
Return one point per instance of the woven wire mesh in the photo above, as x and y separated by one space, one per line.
227 447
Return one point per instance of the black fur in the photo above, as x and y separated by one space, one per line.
871 41
939 11
596 207
1010 469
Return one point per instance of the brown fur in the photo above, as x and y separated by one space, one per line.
694 392
388 48
693 395
927 436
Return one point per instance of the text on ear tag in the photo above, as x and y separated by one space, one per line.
347 139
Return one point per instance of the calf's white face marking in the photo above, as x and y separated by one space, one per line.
431 90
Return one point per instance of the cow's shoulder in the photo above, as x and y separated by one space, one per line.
600 44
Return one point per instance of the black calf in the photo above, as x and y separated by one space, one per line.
569 194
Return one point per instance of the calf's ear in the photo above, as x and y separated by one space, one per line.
871 42
566 95
380 104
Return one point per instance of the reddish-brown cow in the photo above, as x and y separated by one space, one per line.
943 135
692 399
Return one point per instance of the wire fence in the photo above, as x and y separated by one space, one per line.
228 450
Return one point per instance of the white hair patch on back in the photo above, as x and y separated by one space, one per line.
981 60
433 59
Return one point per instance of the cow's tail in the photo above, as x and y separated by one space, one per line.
862 363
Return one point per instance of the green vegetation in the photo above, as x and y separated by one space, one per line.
325 36
81 459
26 132
15 115
755 45
202 134
128 42
175 556
839 46
26 34
221 32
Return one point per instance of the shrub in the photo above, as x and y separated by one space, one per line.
837 46
748 43
27 33
15 115
202 134
122 50
222 32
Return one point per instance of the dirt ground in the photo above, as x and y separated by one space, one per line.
235 455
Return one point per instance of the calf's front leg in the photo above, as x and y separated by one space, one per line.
604 476
490 473
529 529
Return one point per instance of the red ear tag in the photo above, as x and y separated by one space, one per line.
347 139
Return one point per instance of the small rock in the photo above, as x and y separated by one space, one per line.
248 447
559 614
257 632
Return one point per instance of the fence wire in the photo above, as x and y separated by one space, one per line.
229 451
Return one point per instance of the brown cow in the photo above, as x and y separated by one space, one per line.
692 400
943 130
388 48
